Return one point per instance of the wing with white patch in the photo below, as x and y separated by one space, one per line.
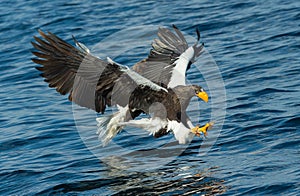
169 58
90 81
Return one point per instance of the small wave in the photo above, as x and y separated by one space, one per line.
133 184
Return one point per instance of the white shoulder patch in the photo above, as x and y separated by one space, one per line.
109 60
144 81
179 71
137 77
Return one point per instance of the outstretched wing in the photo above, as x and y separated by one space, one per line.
169 58
89 80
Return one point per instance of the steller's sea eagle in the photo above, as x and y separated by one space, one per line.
155 85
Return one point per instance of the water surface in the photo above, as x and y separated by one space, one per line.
256 47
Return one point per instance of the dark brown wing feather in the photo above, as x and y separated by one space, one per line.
88 79
165 50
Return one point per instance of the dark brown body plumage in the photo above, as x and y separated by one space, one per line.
172 104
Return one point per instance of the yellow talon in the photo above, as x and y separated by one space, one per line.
197 130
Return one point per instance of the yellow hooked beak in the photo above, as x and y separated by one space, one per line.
203 95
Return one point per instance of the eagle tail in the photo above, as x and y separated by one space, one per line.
108 128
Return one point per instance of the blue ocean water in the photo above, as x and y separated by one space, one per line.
256 47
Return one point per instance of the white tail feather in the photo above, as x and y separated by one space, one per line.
107 128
